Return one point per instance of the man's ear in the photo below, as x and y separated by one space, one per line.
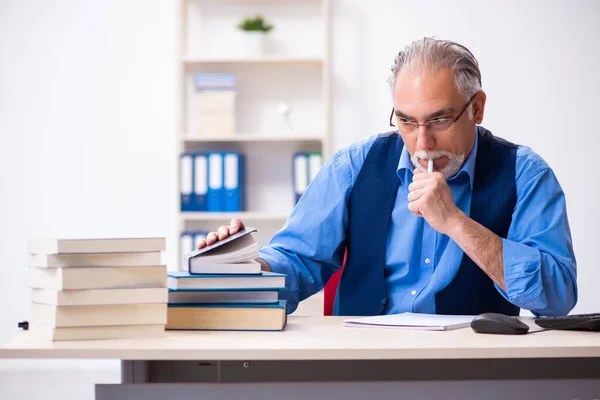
479 107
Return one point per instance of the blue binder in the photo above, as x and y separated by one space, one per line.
233 181
215 194
200 182
186 181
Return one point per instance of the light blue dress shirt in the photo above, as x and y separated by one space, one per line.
539 263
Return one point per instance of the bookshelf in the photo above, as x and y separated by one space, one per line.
253 60
252 137
249 216
293 69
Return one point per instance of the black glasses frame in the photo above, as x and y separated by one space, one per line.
426 124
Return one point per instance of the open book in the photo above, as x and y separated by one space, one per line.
235 254
428 322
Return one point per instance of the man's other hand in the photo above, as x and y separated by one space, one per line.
223 232
430 197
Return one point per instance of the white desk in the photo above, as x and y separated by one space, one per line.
317 357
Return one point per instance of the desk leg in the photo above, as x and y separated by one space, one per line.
135 372
133 375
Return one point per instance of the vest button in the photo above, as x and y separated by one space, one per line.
383 301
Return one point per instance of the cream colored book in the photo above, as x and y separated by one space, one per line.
252 317
241 247
216 124
108 245
98 278
99 296
95 260
105 315
209 101
96 332
241 268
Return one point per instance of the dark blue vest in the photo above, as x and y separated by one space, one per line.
361 290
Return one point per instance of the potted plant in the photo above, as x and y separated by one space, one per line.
254 31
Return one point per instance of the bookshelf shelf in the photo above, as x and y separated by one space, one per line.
254 60
250 137
250 216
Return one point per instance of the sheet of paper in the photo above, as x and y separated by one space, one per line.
413 321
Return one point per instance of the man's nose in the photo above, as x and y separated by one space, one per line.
425 140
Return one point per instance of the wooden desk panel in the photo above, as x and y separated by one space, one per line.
317 338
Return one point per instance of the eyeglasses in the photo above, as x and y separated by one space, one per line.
435 125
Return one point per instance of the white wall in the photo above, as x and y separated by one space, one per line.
539 61
87 119
86 128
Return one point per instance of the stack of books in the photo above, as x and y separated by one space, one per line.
224 288
84 289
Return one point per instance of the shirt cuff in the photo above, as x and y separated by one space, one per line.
279 264
522 276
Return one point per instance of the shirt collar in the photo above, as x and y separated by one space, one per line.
405 165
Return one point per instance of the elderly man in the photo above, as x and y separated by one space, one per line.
437 216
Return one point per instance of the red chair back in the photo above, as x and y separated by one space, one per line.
330 289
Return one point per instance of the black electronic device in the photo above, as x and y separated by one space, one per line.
577 322
499 324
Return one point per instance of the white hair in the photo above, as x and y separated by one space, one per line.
431 54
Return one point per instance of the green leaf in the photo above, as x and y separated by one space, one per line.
255 24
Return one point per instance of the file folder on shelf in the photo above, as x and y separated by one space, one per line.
233 182
200 182
215 196
186 181
300 174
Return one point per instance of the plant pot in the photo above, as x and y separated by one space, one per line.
252 44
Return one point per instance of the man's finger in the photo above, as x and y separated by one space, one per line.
223 232
417 185
211 238
413 207
201 243
414 195
236 225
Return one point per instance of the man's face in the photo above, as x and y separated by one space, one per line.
420 98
